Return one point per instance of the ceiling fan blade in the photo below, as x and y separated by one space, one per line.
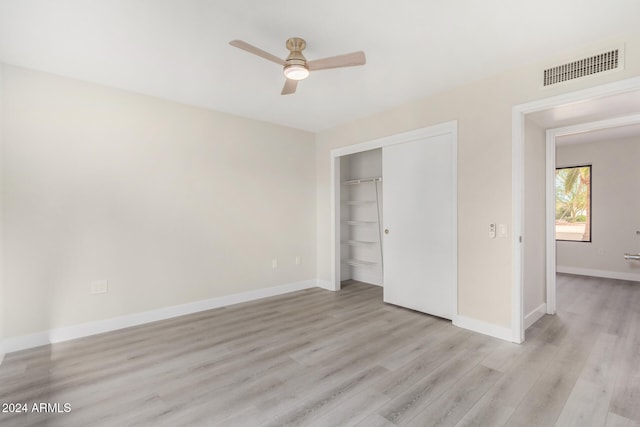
289 87
346 60
256 51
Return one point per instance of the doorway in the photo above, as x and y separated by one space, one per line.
582 106
609 165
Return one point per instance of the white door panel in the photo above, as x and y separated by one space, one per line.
419 214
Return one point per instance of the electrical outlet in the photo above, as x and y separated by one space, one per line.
99 287
274 263
298 260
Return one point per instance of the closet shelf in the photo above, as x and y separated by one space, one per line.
358 243
361 222
362 181
360 263
360 202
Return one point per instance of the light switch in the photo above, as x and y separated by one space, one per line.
503 230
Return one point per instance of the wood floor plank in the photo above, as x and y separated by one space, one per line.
375 420
406 405
615 420
352 411
453 404
322 403
588 403
546 399
500 402
627 390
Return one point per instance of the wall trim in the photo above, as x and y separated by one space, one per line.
496 331
607 274
326 284
100 326
535 315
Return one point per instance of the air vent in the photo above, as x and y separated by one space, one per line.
584 67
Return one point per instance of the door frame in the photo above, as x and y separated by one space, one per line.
451 128
551 136
518 114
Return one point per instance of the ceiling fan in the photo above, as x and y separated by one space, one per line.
296 66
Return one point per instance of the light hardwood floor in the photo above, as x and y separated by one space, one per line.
318 358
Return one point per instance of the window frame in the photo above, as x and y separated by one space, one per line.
590 166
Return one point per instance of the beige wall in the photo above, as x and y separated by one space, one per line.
534 266
615 207
483 110
169 203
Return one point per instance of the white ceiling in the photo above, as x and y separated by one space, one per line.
178 49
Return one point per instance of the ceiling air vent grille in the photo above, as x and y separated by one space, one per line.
584 67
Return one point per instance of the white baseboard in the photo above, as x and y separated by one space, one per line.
100 326
485 328
598 273
325 284
535 315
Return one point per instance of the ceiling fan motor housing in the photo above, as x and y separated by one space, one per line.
296 45
296 67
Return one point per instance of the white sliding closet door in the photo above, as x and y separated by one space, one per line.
419 223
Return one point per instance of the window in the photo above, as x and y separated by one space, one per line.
573 204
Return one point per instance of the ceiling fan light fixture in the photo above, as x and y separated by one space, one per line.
296 72
295 66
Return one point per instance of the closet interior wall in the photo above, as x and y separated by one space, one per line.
361 217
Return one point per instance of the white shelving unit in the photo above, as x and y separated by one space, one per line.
363 241
360 263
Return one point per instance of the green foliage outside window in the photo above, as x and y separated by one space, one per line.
573 203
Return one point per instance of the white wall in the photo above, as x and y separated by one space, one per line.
615 209
534 266
483 110
171 204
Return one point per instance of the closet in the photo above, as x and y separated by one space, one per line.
361 217
395 217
